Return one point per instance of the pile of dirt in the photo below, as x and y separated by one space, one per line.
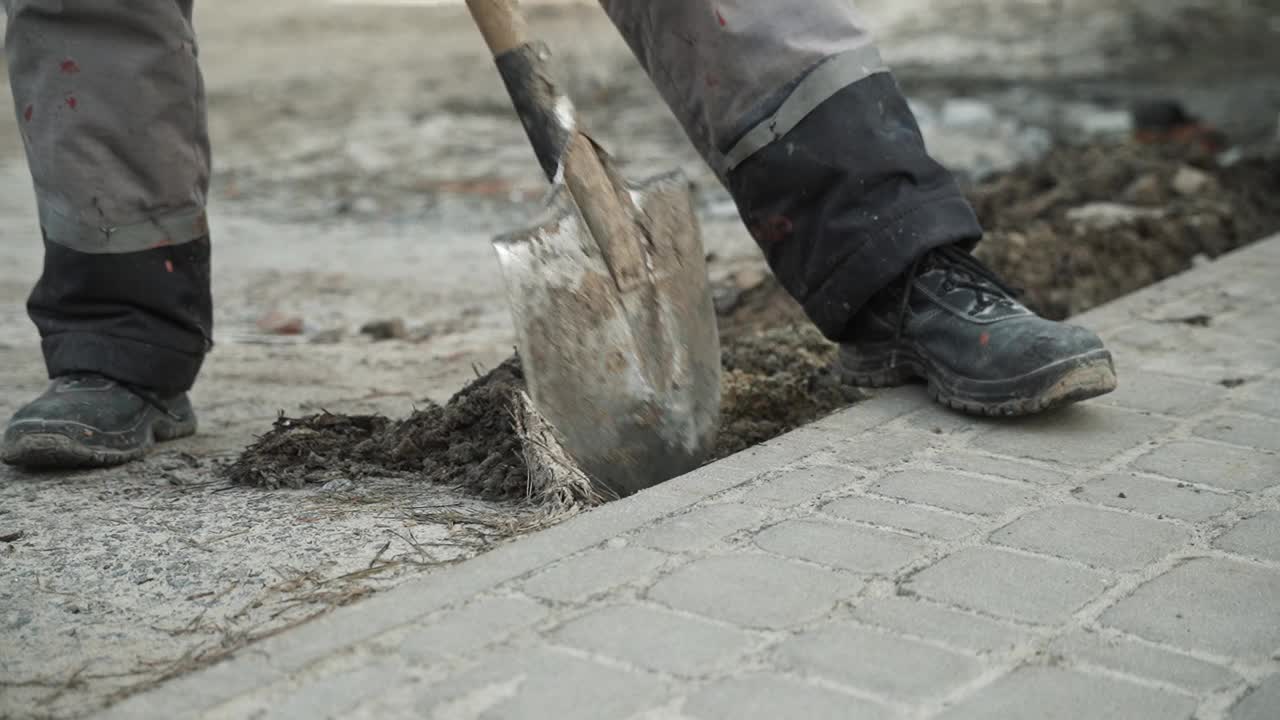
773 382
1088 224
469 442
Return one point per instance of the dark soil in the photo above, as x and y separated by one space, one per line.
469 442
1067 265
773 382
1177 206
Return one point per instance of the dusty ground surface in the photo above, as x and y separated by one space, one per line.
364 158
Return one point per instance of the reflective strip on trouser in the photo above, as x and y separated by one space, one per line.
791 105
110 104
741 73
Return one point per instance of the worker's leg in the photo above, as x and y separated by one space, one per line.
110 104
790 102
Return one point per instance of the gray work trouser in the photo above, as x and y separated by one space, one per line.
110 103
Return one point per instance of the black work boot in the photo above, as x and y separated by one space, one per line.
950 321
87 420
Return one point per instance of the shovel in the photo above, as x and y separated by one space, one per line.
608 288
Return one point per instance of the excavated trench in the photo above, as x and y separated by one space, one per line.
1080 227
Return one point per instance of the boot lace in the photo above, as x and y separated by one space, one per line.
963 270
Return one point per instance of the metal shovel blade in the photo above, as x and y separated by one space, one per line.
629 376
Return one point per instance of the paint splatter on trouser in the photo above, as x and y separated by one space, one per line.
788 101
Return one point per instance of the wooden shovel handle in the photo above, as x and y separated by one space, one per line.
501 24
555 132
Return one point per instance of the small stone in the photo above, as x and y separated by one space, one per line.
1103 215
1190 181
1146 190
391 329
1121 495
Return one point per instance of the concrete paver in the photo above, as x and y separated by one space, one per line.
901 516
658 640
1220 606
1221 467
1009 585
1048 693
1155 496
879 663
1260 703
1256 537
1116 560
1101 538
1137 659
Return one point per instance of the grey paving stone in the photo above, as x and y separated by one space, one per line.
1045 693
901 515
541 684
1164 394
1237 430
955 491
887 666
1213 465
1256 537
1262 703
779 452
1002 467
1103 538
953 628
1221 606
213 686
1155 497
1262 398
940 421
593 572
770 697
322 694
756 591
700 528
1134 658
875 449
837 545
887 405
1084 435
468 629
1005 584
800 485
656 639
1199 353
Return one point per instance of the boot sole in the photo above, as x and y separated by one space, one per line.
1064 382
61 451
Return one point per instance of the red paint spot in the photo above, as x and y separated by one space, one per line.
984 339
721 19
168 265
72 102
713 81
26 114
773 230
69 67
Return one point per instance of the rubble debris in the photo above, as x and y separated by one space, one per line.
390 329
